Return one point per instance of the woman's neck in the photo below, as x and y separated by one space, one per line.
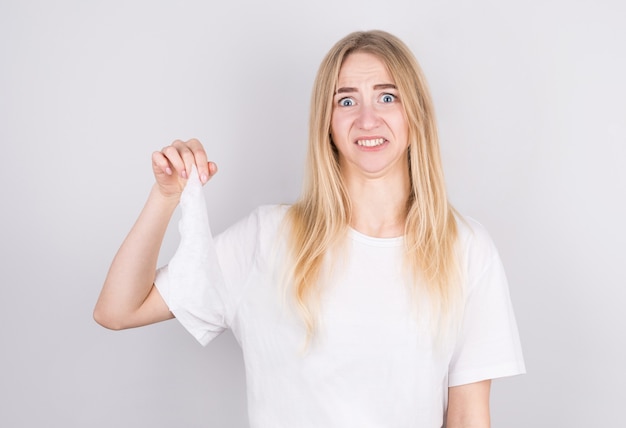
378 204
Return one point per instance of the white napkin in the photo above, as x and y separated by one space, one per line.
192 284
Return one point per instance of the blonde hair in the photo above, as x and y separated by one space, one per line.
320 219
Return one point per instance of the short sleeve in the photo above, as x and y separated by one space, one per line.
488 345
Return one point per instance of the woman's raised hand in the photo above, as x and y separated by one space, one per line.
172 166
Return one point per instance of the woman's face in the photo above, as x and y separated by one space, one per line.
368 124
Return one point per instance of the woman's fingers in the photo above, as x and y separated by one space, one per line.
180 157
160 164
176 154
212 170
199 159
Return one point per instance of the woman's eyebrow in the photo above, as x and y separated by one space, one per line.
346 90
385 86
379 86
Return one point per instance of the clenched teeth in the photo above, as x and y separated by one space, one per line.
371 143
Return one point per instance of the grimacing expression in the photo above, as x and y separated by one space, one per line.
368 124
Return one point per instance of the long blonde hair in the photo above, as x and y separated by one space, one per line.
319 220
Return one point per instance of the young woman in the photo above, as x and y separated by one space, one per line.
368 303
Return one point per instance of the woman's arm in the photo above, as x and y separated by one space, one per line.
468 405
128 297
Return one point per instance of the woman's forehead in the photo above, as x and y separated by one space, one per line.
363 67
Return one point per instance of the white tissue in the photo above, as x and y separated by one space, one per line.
193 279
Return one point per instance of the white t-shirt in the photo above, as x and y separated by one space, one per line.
369 365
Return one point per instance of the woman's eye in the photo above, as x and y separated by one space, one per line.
346 102
388 98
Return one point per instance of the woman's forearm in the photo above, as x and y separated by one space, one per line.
468 405
127 298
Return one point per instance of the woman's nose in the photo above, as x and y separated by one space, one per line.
368 117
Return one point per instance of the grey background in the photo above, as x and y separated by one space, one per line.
531 106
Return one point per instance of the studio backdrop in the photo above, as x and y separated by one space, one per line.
530 101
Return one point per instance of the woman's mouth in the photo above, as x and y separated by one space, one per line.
373 142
